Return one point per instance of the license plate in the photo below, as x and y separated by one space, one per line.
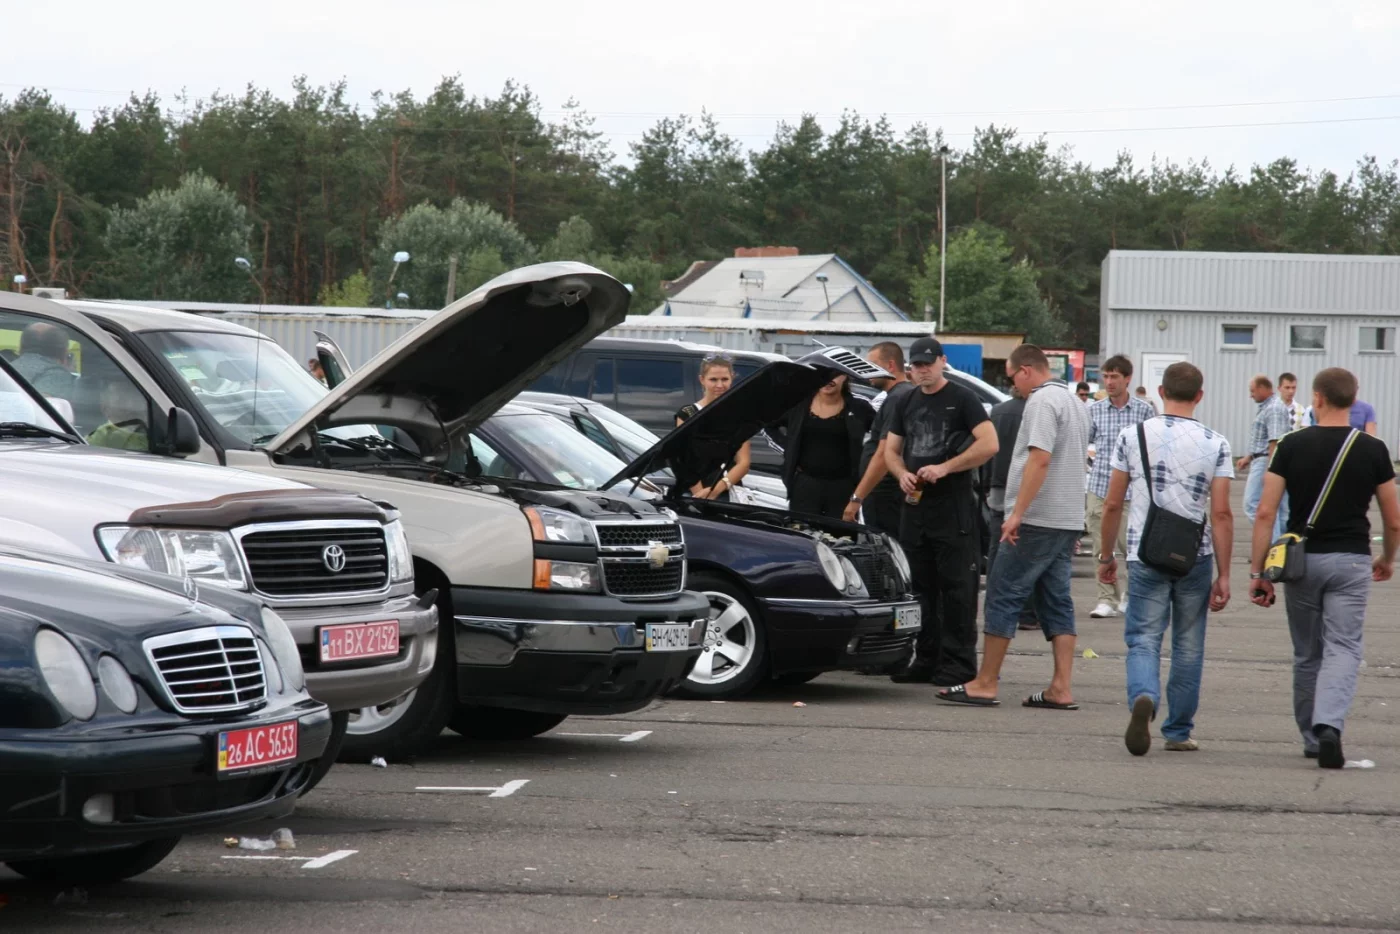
908 617
359 640
668 637
259 745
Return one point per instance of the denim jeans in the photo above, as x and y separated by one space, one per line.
1254 492
1038 564
1184 602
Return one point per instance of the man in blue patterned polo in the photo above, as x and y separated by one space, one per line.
1270 423
1108 417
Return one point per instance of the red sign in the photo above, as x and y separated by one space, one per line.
359 640
259 745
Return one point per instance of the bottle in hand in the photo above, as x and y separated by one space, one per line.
913 498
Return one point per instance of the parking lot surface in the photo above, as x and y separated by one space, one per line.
847 804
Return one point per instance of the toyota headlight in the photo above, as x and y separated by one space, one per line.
831 566
204 555
556 525
400 557
901 560
284 649
66 674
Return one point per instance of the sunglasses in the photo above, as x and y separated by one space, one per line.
716 358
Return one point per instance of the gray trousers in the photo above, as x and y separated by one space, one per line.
1326 610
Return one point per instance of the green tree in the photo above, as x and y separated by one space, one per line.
352 292
180 243
988 290
480 238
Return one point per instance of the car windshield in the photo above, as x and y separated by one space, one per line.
558 453
19 408
247 384
629 433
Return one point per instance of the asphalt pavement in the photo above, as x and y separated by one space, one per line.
847 804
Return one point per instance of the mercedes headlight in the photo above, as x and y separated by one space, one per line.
272 671
400 557
203 555
284 649
556 525
117 684
855 585
66 674
831 566
901 560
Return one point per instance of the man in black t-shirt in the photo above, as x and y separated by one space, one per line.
877 496
938 435
1327 606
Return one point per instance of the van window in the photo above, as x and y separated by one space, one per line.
603 384
649 388
109 409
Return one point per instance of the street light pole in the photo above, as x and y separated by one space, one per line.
942 235
821 277
399 259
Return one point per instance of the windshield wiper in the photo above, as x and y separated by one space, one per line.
26 430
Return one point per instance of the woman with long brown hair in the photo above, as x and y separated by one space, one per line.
716 376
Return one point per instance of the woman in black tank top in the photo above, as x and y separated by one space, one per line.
821 449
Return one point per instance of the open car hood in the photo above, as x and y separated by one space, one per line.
462 364
711 437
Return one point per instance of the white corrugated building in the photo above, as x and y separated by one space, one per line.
1238 314
781 288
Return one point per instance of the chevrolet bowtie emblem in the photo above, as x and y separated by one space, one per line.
658 554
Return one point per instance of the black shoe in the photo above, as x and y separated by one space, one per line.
1329 747
1309 753
913 675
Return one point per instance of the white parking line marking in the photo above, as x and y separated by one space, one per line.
620 737
504 791
329 858
268 857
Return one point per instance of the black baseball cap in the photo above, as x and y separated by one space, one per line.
925 350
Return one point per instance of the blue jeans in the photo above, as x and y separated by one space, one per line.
1185 603
1254 492
1038 565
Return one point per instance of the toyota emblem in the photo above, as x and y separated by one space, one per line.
333 557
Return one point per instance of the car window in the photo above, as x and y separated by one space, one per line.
556 453
594 432
603 386
108 408
493 464
650 389
743 371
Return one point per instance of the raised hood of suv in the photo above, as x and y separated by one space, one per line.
459 366
711 437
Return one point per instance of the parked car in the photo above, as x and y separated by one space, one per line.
136 708
559 601
791 596
335 565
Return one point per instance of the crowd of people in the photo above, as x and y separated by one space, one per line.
921 460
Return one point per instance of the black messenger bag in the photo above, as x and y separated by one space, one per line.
1169 542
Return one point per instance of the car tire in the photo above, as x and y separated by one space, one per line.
735 676
97 868
794 678
499 723
339 722
409 725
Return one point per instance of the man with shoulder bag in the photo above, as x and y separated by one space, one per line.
1330 472
1179 472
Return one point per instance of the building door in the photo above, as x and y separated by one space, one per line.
1153 366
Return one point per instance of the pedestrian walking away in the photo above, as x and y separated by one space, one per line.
716 376
821 449
1006 419
1044 518
1187 472
1107 419
1331 471
938 435
877 498
1269 425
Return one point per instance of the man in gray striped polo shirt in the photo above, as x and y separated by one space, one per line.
1044 519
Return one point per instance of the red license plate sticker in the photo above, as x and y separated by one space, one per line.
359 640
259 745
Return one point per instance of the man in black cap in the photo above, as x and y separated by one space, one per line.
938 436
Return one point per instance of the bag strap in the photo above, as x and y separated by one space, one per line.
1331 479
1146 464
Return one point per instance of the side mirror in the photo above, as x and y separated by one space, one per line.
181 434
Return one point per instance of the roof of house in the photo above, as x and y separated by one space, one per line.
781 288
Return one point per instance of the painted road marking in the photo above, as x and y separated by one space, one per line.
308 862
504 791
620 737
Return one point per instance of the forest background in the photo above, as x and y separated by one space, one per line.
154 200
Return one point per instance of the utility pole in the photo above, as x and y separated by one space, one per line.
451 281
942 235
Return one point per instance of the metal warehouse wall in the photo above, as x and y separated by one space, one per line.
360 338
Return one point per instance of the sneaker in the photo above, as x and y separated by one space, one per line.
1329 747
1182 745
1123 605
1103 611
1138 738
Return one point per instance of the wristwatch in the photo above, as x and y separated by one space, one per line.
1256 575
1109 560
857 499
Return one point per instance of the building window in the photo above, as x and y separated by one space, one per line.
1307 337
1377 340
1237 336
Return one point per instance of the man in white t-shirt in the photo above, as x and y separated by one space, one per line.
1190 476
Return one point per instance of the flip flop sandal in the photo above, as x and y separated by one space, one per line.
957 694
1038 700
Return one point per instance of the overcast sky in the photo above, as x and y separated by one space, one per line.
1137 73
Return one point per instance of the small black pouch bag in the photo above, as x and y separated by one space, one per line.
1169 542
